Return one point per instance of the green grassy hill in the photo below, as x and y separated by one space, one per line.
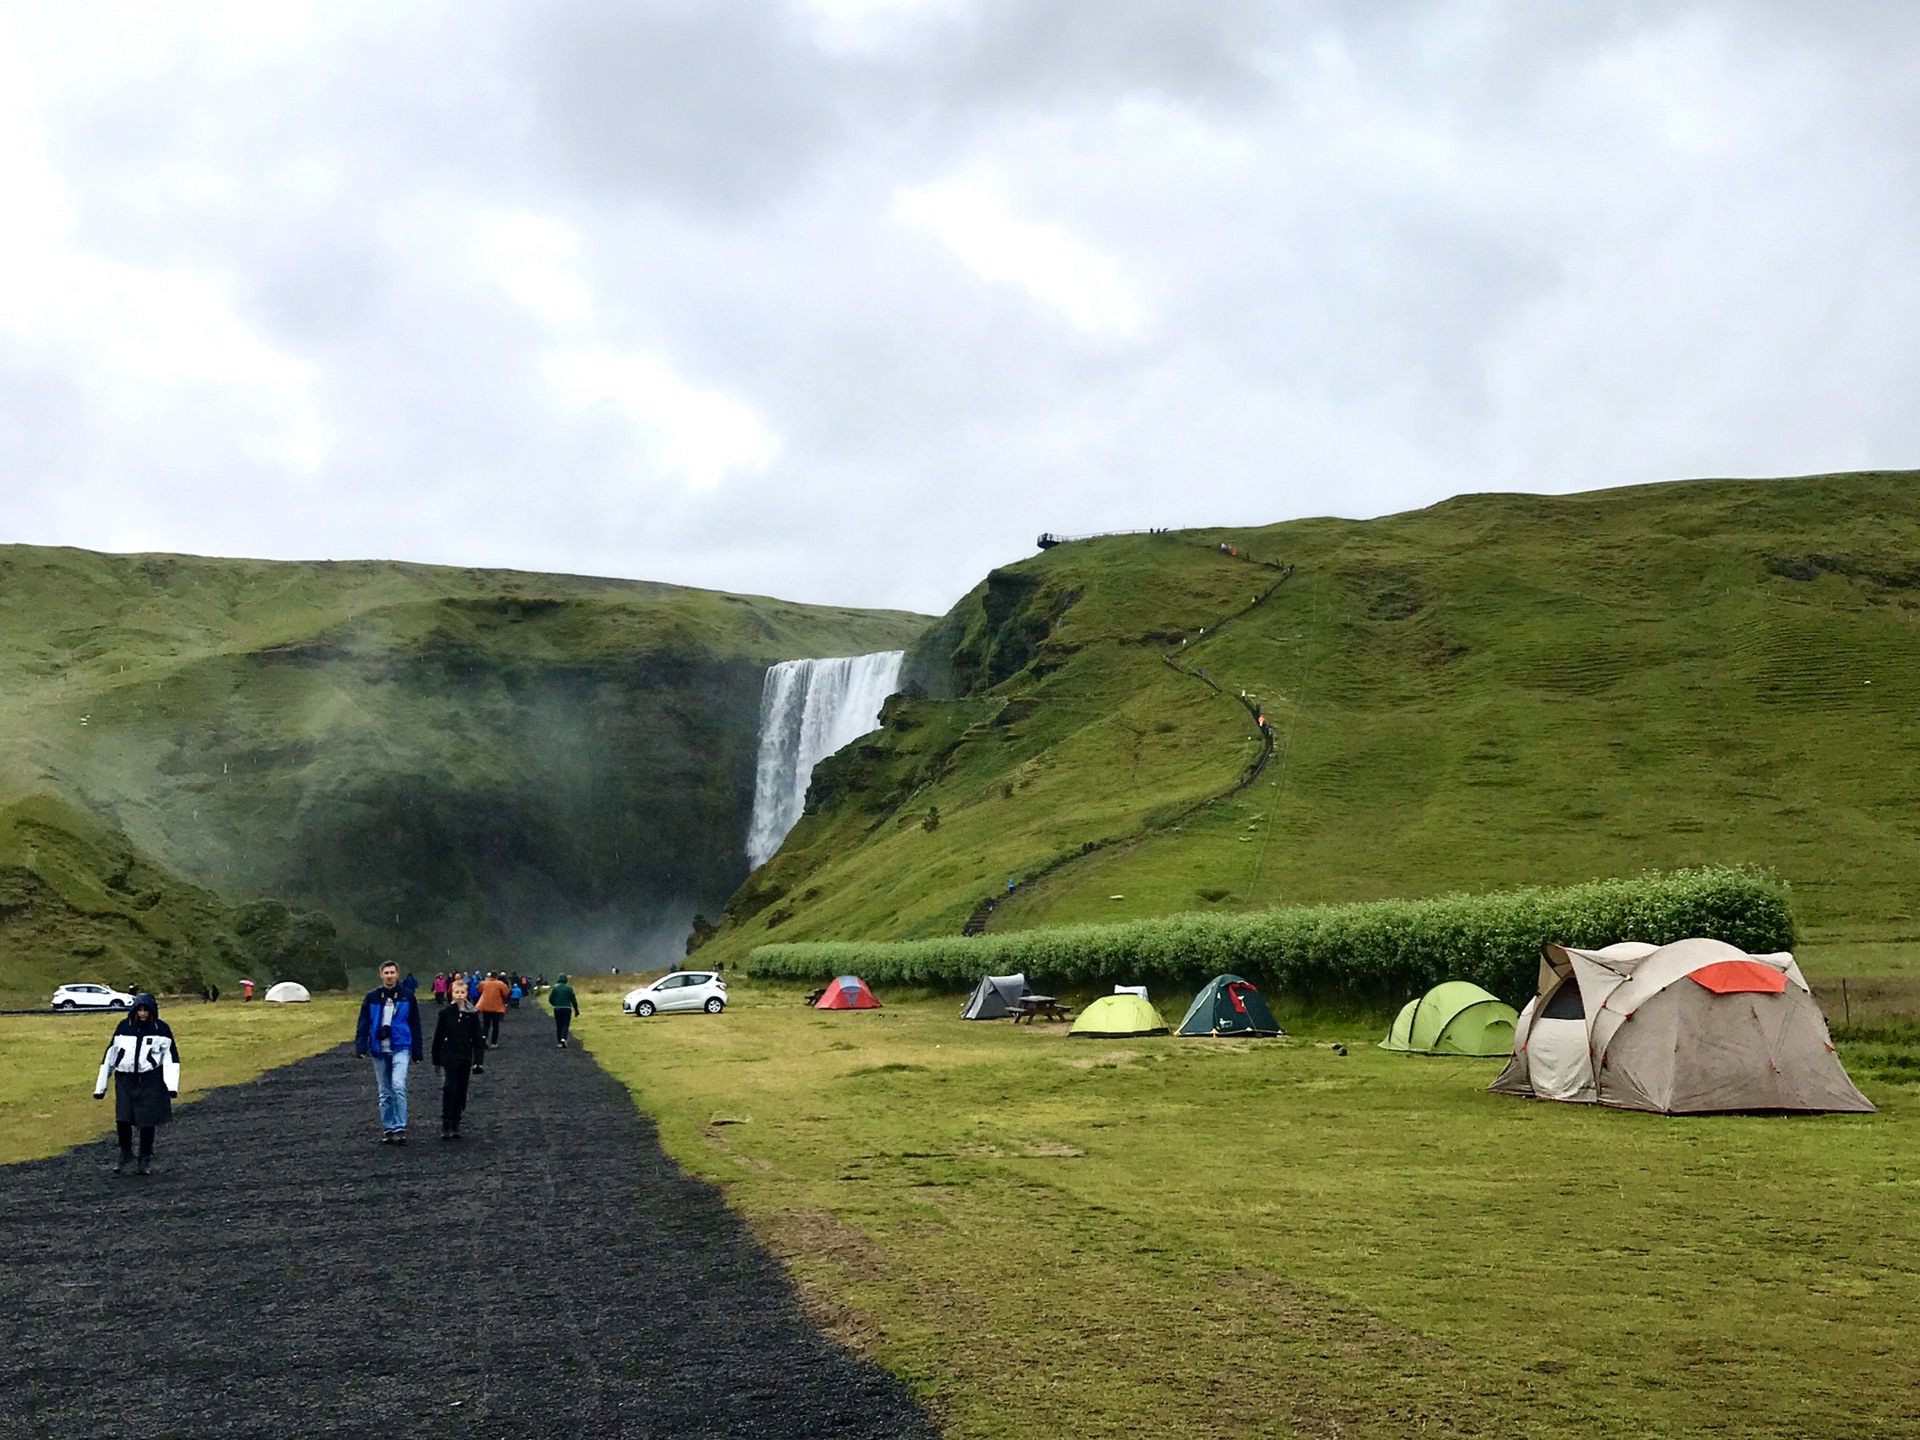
1499 690
79 903
507 767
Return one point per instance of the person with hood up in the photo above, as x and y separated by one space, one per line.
145 1064
388 1034
565 1006
459 1048
492 1005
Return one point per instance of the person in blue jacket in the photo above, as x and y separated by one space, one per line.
389 1035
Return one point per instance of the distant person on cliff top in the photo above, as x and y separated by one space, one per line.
565 1006
388 1034
459 1047
492 1005
145 1065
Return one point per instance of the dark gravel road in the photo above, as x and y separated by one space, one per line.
282 1274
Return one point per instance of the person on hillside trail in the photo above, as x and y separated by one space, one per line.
145 1064
459 1047
388 1034
565 1006
492 1005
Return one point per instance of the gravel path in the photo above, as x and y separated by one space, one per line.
282 1274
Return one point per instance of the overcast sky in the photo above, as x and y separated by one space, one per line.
846 300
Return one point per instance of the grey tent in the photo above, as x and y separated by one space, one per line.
1688 1028
993 998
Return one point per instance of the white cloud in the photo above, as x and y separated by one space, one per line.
154 341
530 257
864 27
862 294
1046 261
699 434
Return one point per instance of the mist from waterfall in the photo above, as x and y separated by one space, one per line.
808 710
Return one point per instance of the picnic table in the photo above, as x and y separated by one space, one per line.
1028 1006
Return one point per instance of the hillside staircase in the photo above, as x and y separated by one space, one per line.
977 921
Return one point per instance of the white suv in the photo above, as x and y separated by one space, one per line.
90 997
683 990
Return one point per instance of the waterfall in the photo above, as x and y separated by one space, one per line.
808 710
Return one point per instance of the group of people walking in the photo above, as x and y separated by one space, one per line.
390 1034
143 1058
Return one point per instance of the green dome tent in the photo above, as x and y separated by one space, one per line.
1228 1005
1114 1016
1457 1018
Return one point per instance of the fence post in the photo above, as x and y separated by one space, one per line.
1845 1003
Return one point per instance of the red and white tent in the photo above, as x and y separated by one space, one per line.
849 992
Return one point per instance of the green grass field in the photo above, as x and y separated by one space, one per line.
48 1063
1184 1238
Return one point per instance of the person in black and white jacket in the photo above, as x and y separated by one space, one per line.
145 1064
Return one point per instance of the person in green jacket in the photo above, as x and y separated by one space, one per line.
564 1003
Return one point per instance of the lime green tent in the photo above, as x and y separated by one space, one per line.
1113 1016
1457 1018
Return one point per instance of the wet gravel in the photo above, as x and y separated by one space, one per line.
282 1274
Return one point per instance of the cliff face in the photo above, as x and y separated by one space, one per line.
487 767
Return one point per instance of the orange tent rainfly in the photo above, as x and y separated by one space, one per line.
849 992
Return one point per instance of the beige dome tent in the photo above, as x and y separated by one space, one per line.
1688 1028
289 992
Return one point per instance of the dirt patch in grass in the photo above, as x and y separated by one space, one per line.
823 1236
1345 1332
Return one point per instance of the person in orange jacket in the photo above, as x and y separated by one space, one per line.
492 1004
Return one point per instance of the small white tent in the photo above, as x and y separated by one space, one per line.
289 992
1683 1029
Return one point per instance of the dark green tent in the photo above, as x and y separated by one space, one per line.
1228 1005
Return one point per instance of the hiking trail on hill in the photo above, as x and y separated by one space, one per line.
282 1273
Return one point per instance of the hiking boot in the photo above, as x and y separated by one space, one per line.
145 1167
453 1134
386 1137
399 1137
120 1165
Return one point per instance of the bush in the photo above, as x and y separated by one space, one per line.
1372 952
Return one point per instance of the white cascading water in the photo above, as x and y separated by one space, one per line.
808 710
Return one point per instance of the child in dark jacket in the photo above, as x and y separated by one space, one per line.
459 1050
144 1061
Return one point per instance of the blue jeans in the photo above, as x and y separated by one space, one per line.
390 1078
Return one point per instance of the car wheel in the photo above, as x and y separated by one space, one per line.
716 1005
63 1004
643 1009
117 1005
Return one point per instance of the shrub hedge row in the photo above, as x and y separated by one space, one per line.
1372 952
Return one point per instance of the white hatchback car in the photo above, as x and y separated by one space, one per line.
90 997
682 990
